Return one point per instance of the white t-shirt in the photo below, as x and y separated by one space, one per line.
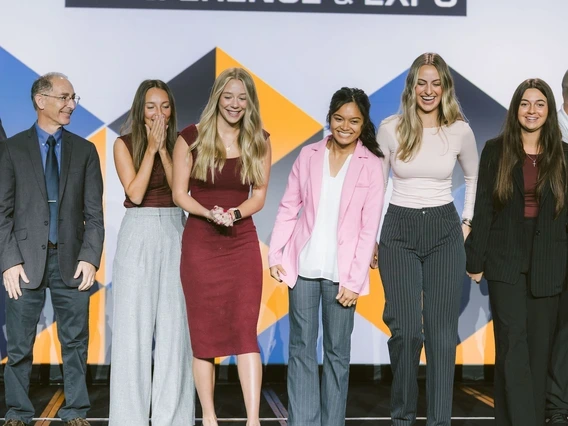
563 121
318 258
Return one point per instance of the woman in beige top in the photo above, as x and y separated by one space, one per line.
422 256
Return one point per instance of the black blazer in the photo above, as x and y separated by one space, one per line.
2 132
24 212
495 244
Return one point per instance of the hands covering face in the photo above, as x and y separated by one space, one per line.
157 134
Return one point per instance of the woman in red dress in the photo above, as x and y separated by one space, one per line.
224 161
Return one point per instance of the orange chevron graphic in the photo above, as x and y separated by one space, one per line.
479 348
371 307
274 304
99 139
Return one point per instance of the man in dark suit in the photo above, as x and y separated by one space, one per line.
2 132
51 236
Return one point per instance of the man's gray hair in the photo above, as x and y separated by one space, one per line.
44 84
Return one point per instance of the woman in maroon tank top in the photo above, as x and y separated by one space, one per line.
219 161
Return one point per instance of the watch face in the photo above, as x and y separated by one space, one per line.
237 214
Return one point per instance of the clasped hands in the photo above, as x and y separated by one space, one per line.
220 216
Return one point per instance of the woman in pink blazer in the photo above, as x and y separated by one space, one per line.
323 254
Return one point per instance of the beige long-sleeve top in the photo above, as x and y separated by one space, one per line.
426 179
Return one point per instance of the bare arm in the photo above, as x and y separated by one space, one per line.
135 184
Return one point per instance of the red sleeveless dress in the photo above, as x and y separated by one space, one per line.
221 268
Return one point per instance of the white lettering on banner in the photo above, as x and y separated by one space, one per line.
446 3
405 3
400 7
279 1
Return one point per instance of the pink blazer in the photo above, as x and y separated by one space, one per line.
359 215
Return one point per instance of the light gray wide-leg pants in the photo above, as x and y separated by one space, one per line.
149 306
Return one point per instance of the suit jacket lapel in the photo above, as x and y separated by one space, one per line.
316 171
518 176
35 158
545 191
65 161
351 179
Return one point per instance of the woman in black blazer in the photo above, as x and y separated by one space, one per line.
518 242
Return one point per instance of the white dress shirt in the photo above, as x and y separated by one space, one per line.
563 121
318 258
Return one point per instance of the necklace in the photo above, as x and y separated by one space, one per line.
228 147
532 159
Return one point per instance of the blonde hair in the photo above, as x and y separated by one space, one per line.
409 128
211 154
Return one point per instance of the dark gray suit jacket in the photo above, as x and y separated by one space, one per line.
24 212
2 132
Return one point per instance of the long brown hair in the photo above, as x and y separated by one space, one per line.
211 154
551 164
135 122
409 128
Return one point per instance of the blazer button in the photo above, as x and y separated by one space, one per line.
46 223
43 246
537 232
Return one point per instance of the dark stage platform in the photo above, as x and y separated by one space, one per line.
367 404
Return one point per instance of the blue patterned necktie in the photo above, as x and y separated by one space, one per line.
52 185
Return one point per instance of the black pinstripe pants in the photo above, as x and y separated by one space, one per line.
557 386
524 335
422 264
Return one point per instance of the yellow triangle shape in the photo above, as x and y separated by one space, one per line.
97 328
371 307
287 124
479 348
274 303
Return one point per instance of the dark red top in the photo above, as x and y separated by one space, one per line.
158 193
530 175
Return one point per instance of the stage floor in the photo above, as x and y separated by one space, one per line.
367 404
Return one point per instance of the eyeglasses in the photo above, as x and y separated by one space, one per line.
65 99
